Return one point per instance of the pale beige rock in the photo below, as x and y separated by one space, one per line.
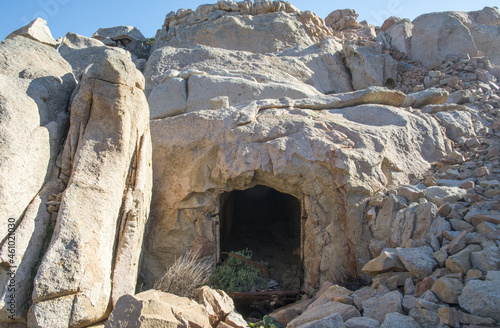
153 308
438 35
453 317
168 99
323 311
202 88
390 280
458 124
36 84
246 27
361 295
217 103
107 159
387 261
217 303
289 312
36 30
370 68
400 35
418 261
235 320
416 224
334 321
189 181
441 195
426 97
447 289
130 33
334 293
460 262
484 28
81 51
318 66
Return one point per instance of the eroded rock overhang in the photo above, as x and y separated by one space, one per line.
330 152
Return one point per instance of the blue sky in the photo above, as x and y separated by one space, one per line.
86 16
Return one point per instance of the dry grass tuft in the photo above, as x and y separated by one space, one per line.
184 276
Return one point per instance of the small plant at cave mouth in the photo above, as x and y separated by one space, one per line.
237 275
187 274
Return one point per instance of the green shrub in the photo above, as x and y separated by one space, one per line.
237 275
267 322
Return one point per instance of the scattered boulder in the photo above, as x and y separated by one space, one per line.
481 298
418 261
486 260
438 35
458 124
430 96
119 33
399 35
324 312
441 195
387 261
36 30
447 289
153 308
396 320
362 322
379 307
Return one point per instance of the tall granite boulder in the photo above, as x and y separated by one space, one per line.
36 85
93 256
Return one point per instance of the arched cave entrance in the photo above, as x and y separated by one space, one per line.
268 223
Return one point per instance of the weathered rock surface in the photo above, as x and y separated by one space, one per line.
36 84
379 307
370 68
241 76
116 33
481 298
438 35
323 312
419 261
81 51
447 289
269 108
107 164
269 128
157 309
400 35
458 124
388 260
242 26
36 30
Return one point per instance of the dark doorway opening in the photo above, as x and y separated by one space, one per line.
268 223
